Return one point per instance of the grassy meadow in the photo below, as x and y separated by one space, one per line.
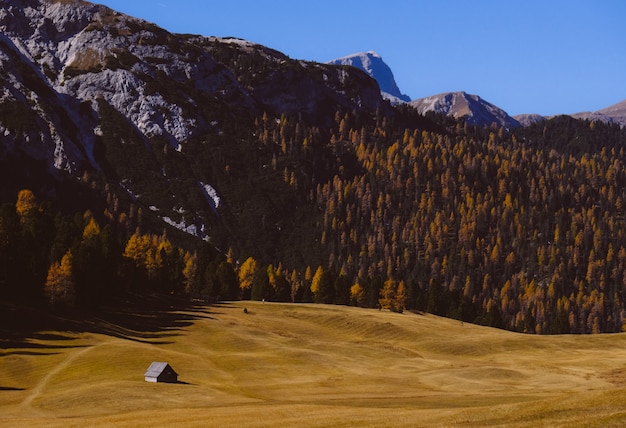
285 365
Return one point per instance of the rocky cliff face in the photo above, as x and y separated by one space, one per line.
373 65
85 88
64 56
311 90
59 57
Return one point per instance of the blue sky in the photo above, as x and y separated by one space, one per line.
532 56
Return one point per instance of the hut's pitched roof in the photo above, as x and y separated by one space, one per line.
156 368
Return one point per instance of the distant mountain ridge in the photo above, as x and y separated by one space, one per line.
476 111
373 64
612 114
461 105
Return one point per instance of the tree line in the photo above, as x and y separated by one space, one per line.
520 229
77 262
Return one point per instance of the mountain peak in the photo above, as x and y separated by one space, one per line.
472 108
372 63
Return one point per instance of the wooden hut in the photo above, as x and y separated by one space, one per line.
161 372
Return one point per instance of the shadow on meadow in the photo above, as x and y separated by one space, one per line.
153 319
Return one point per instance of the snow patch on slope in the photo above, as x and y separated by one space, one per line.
213 198
190 229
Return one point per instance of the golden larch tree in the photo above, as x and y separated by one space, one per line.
60 287
26 202
387 294
317 280
246 273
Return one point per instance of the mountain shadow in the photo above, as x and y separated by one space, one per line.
149 319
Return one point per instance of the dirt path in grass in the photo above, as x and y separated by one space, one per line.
43 383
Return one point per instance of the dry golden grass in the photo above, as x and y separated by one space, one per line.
283 365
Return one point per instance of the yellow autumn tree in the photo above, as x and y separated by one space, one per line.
246 273
317 280
273 274
357 295
138 249
230 257
91 230
60 289
387 294
308 276
393 296
399 300
26 202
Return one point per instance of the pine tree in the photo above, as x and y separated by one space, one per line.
261 287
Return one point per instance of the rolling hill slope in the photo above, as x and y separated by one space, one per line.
314 365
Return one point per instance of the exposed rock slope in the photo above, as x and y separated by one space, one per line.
373 64
473 109
85 88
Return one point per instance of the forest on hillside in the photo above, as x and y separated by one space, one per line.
69 263
519 229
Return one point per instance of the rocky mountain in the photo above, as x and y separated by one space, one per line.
472 108
281 85
529 119
373 64
85 89
613 114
